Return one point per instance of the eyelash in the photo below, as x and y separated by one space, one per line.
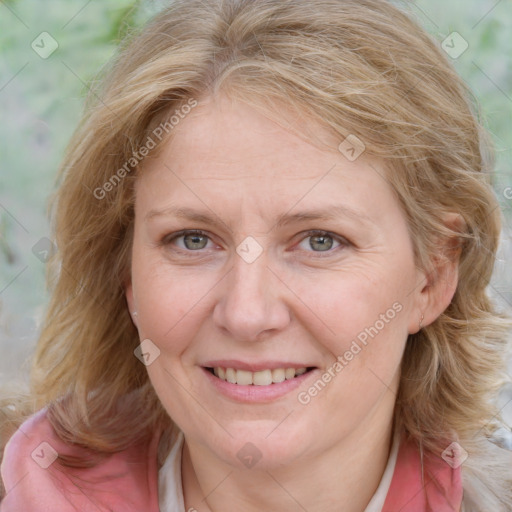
314 232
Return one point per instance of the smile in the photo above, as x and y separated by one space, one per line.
258 378
256 382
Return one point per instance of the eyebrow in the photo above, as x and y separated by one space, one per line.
327 213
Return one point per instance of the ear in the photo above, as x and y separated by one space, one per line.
130 300
440 283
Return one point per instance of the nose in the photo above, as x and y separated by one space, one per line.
253 301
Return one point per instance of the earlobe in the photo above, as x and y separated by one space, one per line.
130 300
442 280
439 293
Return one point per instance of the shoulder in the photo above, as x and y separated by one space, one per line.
423 481
36 479
487 476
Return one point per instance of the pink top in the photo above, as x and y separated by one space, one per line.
128 481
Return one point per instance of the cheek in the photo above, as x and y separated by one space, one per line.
169 301
367 336
362 305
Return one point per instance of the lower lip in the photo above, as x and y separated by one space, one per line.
252 393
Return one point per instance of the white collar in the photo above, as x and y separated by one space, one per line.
170 489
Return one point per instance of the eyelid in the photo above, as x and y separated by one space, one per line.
344 242
167 239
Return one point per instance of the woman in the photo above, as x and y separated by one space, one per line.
202 350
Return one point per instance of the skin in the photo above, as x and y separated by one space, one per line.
295 302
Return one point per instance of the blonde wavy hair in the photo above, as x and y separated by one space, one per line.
358 67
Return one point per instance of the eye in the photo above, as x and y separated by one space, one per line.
192 240
195 240
322 241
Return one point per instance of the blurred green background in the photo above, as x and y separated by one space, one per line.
41 100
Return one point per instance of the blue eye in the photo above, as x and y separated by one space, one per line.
193 240
322 241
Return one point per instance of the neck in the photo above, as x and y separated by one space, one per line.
343 478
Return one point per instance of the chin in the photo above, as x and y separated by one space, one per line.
262 447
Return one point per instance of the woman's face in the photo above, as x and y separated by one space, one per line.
302 261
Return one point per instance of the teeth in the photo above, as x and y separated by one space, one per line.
278 375
243 378
261 378
289 373
230 375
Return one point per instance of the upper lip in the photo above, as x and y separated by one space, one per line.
255 366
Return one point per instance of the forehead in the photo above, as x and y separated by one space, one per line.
225 150
225 133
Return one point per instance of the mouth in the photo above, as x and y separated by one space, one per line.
265 377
